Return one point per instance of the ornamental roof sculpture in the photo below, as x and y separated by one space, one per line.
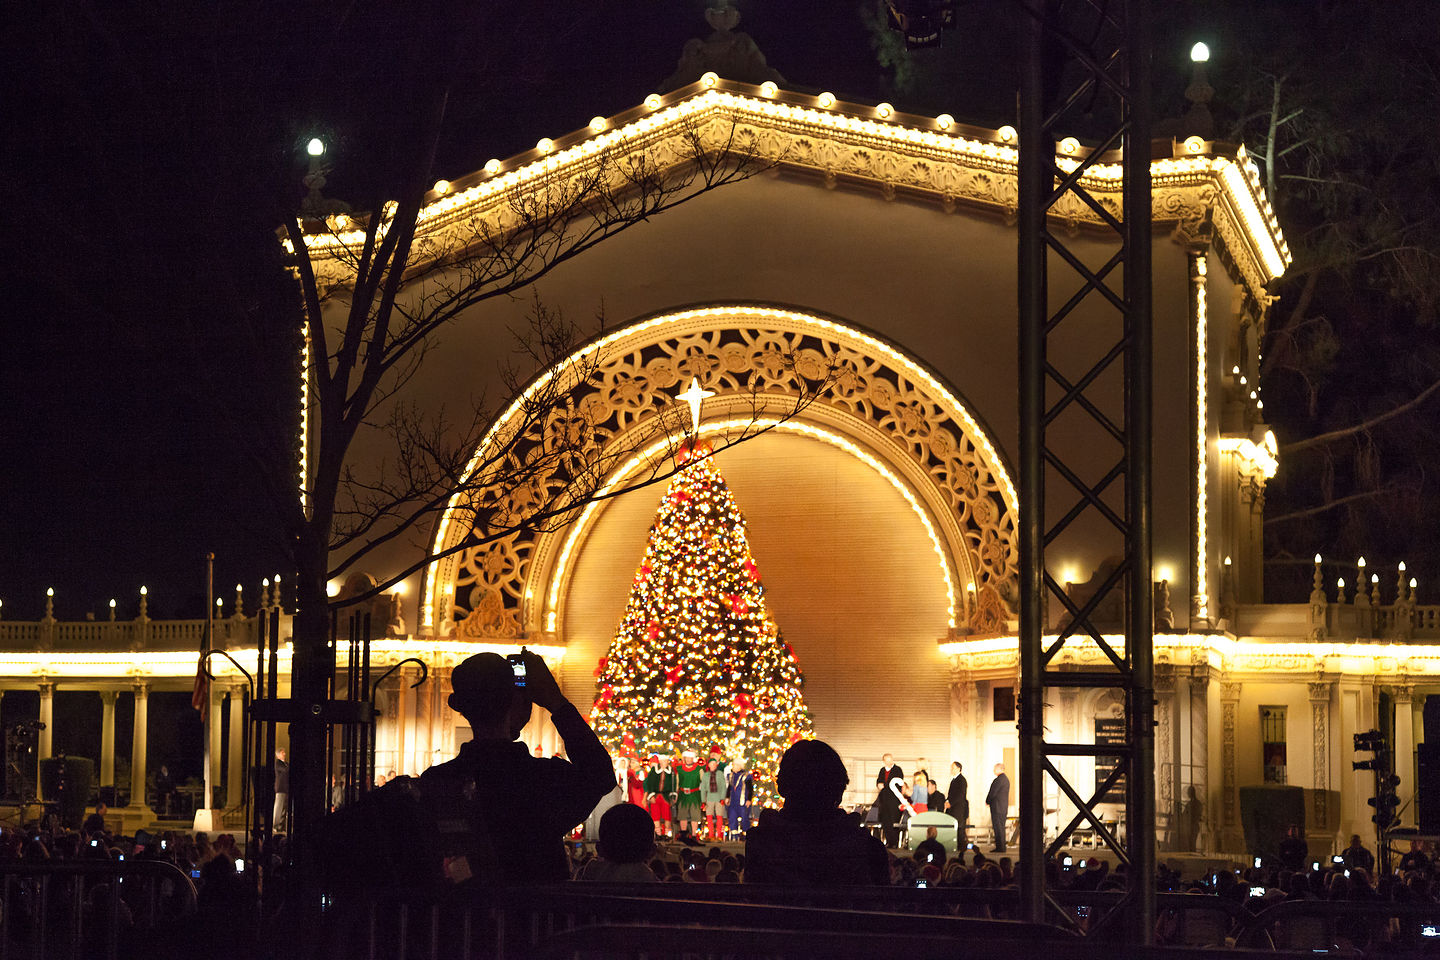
1204 189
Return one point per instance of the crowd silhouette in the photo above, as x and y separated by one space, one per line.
498 816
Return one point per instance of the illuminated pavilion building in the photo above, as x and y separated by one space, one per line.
883 514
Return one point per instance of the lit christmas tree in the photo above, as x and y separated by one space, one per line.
697 661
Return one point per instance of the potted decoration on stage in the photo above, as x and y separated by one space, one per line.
697 659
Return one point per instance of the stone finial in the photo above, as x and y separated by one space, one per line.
112 609
265 594
1197 121
49 605
1164 616
732 55
239 601
1400 585
396 626
1317 585
144 616
1374 589
1361 584
275 600
1340 590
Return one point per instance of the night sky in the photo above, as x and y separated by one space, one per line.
152 149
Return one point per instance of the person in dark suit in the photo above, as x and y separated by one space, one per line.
957 799
888 802
998 800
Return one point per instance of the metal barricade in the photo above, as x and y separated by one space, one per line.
1365 927
83 908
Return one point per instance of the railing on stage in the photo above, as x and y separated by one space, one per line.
79 908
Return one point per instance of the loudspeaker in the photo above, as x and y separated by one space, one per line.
1267 811
1427 787
67 781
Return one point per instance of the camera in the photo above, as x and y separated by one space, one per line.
195 874
517 668
1337 860
1082 864
1257 891
1429 930
1068 861
1315 866
1082 912
922 883
164 844
239 866
1257 861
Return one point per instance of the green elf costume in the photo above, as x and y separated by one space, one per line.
688 810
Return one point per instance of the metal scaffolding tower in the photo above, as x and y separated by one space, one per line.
1085 69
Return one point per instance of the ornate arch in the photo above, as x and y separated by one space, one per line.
882 403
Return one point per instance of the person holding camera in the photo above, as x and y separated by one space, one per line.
501 812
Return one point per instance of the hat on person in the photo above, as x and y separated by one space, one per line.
689 753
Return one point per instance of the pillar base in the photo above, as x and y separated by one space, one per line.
132 818
210 821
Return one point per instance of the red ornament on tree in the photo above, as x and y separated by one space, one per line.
652 631
600 667
672 675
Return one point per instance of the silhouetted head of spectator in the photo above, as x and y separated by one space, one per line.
486 695
627 834
812 778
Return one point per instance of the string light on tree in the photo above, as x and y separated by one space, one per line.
697 661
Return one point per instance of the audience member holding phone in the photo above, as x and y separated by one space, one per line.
502 813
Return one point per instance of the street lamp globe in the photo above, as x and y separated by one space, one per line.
1200 53
316 147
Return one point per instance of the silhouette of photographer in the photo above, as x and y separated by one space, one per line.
501 813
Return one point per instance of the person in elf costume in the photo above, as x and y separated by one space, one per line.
688 806
714 789
634 782
659 783
741 789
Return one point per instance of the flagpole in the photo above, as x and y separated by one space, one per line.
205 646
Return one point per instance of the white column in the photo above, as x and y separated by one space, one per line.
107 737
405 722
235 768
138 747
213 731
1232 832
1199 744
1320 813
1166 785
47 725
1405 752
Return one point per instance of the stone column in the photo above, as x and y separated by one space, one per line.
1232 833
1320 723
1166 785
963 696
212 730
46 743
1405 752
235 768
1200 754
107 737
405 721
138 747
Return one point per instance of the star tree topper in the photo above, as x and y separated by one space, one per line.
695 396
